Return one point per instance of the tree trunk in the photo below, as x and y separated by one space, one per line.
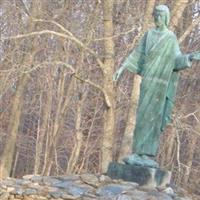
78 140
43 127
53 134
9 149
126 147
7 156
108 135
177 12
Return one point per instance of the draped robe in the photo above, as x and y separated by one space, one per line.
157 59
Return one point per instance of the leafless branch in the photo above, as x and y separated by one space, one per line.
44 32
55 23
189 30
107 100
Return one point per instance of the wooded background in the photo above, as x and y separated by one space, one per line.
60 111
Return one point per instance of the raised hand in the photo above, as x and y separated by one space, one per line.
195 56
117 74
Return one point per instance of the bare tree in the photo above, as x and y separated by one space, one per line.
60 111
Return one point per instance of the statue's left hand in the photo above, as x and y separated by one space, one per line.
195 56
117 74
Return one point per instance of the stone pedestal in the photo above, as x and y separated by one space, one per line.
144 176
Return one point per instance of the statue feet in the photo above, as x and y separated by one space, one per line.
143 160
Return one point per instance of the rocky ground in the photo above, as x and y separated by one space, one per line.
86 187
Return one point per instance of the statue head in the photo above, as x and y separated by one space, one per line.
161 15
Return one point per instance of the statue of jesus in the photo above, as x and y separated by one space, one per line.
157 59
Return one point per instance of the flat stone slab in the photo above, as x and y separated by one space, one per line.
144 176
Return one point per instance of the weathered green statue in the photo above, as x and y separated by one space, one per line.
157 59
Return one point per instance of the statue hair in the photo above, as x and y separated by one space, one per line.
164 8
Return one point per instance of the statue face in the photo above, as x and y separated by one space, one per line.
159 18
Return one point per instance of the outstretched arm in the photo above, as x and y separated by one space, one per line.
184 61
134 61
194 56
118 73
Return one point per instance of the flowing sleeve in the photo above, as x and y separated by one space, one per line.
134 62
182 61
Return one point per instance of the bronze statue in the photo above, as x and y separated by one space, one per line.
158 60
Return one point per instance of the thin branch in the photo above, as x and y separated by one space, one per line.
189 30
40 65
43 32
117 35
107 100
55 23
72 35
192 114
177 12
25 8
178 150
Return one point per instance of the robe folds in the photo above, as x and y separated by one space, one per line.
157 59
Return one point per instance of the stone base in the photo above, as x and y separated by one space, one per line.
144 176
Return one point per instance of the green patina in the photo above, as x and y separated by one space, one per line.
157 59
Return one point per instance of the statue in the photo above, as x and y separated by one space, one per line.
158 60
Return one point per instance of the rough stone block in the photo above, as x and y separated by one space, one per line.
144 176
